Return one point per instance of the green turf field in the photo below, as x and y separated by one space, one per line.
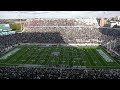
71 56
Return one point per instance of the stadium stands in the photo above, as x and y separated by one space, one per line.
61 22
110 39
61 31
47 30
57 73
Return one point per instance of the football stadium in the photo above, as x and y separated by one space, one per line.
60 48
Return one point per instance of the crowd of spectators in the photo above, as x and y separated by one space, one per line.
57 73
111 39
51 35
117 49
62 35
59 22
72 34
59 35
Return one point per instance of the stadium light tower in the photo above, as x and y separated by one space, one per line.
20 21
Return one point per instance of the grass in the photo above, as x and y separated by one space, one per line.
71 56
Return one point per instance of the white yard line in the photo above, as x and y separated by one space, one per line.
83 57
37 58
15 59
96 57
78 60
99 60
66 60
77 56
57 61
40 55
45 50
63 50
91 57
43 54
102 58
21 56
87 59
27 55
48 58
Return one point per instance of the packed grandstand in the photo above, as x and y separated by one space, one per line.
61 31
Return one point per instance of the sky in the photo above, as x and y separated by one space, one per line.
56 14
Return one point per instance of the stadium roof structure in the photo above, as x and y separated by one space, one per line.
56 14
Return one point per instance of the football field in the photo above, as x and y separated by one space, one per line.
86 56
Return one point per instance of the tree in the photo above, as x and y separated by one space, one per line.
16 26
